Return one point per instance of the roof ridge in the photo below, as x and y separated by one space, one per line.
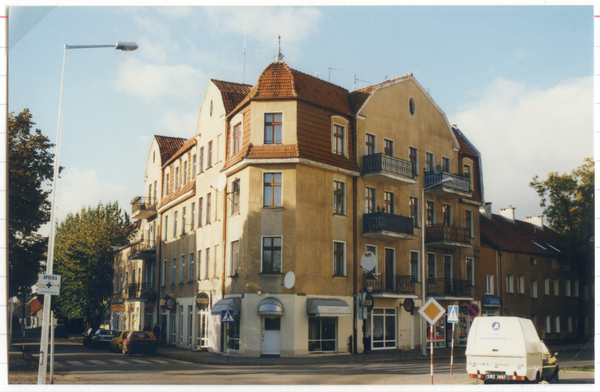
319 79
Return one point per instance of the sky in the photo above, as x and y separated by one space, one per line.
517 80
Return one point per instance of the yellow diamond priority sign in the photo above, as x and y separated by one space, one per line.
432 311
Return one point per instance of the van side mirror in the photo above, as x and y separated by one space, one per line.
555 354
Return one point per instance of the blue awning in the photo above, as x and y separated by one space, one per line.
234 304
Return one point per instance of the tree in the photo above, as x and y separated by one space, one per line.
30 167
568 201
83 256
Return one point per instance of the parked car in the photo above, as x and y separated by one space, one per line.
60 331
550 372
116 343
140 342
87 336
102 338
503 349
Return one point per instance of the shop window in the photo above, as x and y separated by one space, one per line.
384 328
321 334
231 333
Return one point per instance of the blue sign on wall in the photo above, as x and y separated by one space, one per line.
492 301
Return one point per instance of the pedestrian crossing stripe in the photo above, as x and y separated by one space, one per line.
141 361
75 363
97 362
119 361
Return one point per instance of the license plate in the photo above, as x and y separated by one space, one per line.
495 376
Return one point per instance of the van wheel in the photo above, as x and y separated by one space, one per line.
537 378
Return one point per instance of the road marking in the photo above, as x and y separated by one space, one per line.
97 362
159 360
119 361
141 361
58 365
75 363
178 361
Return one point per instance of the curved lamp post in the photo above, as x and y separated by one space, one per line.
125 46
423 324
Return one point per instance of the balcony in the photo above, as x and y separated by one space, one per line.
460 186
143 250
141 292
442 287
143 207
385 226
388 169
447 236
392 284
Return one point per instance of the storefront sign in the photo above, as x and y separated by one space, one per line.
409 305
368 302
170 304
117 308
492 301
150 304
117 301
202 301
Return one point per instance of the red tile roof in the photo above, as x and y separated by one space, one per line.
168 146
518 236
279 81
231 93
34 305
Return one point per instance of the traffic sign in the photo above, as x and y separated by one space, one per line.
432 311
48 284
452 314
227 316
473 310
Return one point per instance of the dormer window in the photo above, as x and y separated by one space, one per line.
339 139
184 179
273 126
237 136
176 183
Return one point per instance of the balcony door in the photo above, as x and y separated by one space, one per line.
389 270
448 273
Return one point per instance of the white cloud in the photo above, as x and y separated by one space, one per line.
79 188
151 81
522 132
176 123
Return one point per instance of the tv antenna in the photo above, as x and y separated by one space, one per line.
244 75
329 74
358 80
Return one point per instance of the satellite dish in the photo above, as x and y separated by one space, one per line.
368 261
438 169
221 182
289 280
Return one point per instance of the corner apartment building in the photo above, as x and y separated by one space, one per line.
267 210
523 273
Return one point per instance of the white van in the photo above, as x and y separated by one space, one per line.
504 349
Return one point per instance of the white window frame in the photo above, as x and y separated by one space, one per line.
343 199
547 325
173 270
472 278
164 273
234 263
557 324
166 184
191 269
233 144
181 268
569 324
174 224
568 288
194 166
489 284
343 272
470 175
432 168
264 125
556 288
533 292
206 263
272 193
546 286
520 284
416 162
510 284
374 143
449 164
176 179
184 173
393 146
199 265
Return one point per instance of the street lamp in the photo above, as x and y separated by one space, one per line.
423 283
125 46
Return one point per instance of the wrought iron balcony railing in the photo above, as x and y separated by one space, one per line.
453 287
441 234
459 183
380 221
382 163
141 291
395 284
143 246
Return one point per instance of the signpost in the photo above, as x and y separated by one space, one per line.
227 318
432 311
452 318
48 284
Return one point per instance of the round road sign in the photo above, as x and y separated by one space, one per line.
473 310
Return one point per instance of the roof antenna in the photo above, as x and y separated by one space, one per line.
358 80
279 56
329 75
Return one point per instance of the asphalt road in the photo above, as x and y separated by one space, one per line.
76 364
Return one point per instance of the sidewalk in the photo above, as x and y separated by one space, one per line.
203 357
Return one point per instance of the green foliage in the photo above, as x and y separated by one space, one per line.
84 259
568 201
30 166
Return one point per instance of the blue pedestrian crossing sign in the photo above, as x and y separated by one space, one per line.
227 316
452 314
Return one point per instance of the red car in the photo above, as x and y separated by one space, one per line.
140 342
87 336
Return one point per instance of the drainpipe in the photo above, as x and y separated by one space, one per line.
355 242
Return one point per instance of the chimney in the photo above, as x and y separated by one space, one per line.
508 213
537 220
486 210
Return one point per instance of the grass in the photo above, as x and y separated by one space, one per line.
589 368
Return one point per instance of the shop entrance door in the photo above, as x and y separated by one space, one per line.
271 335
